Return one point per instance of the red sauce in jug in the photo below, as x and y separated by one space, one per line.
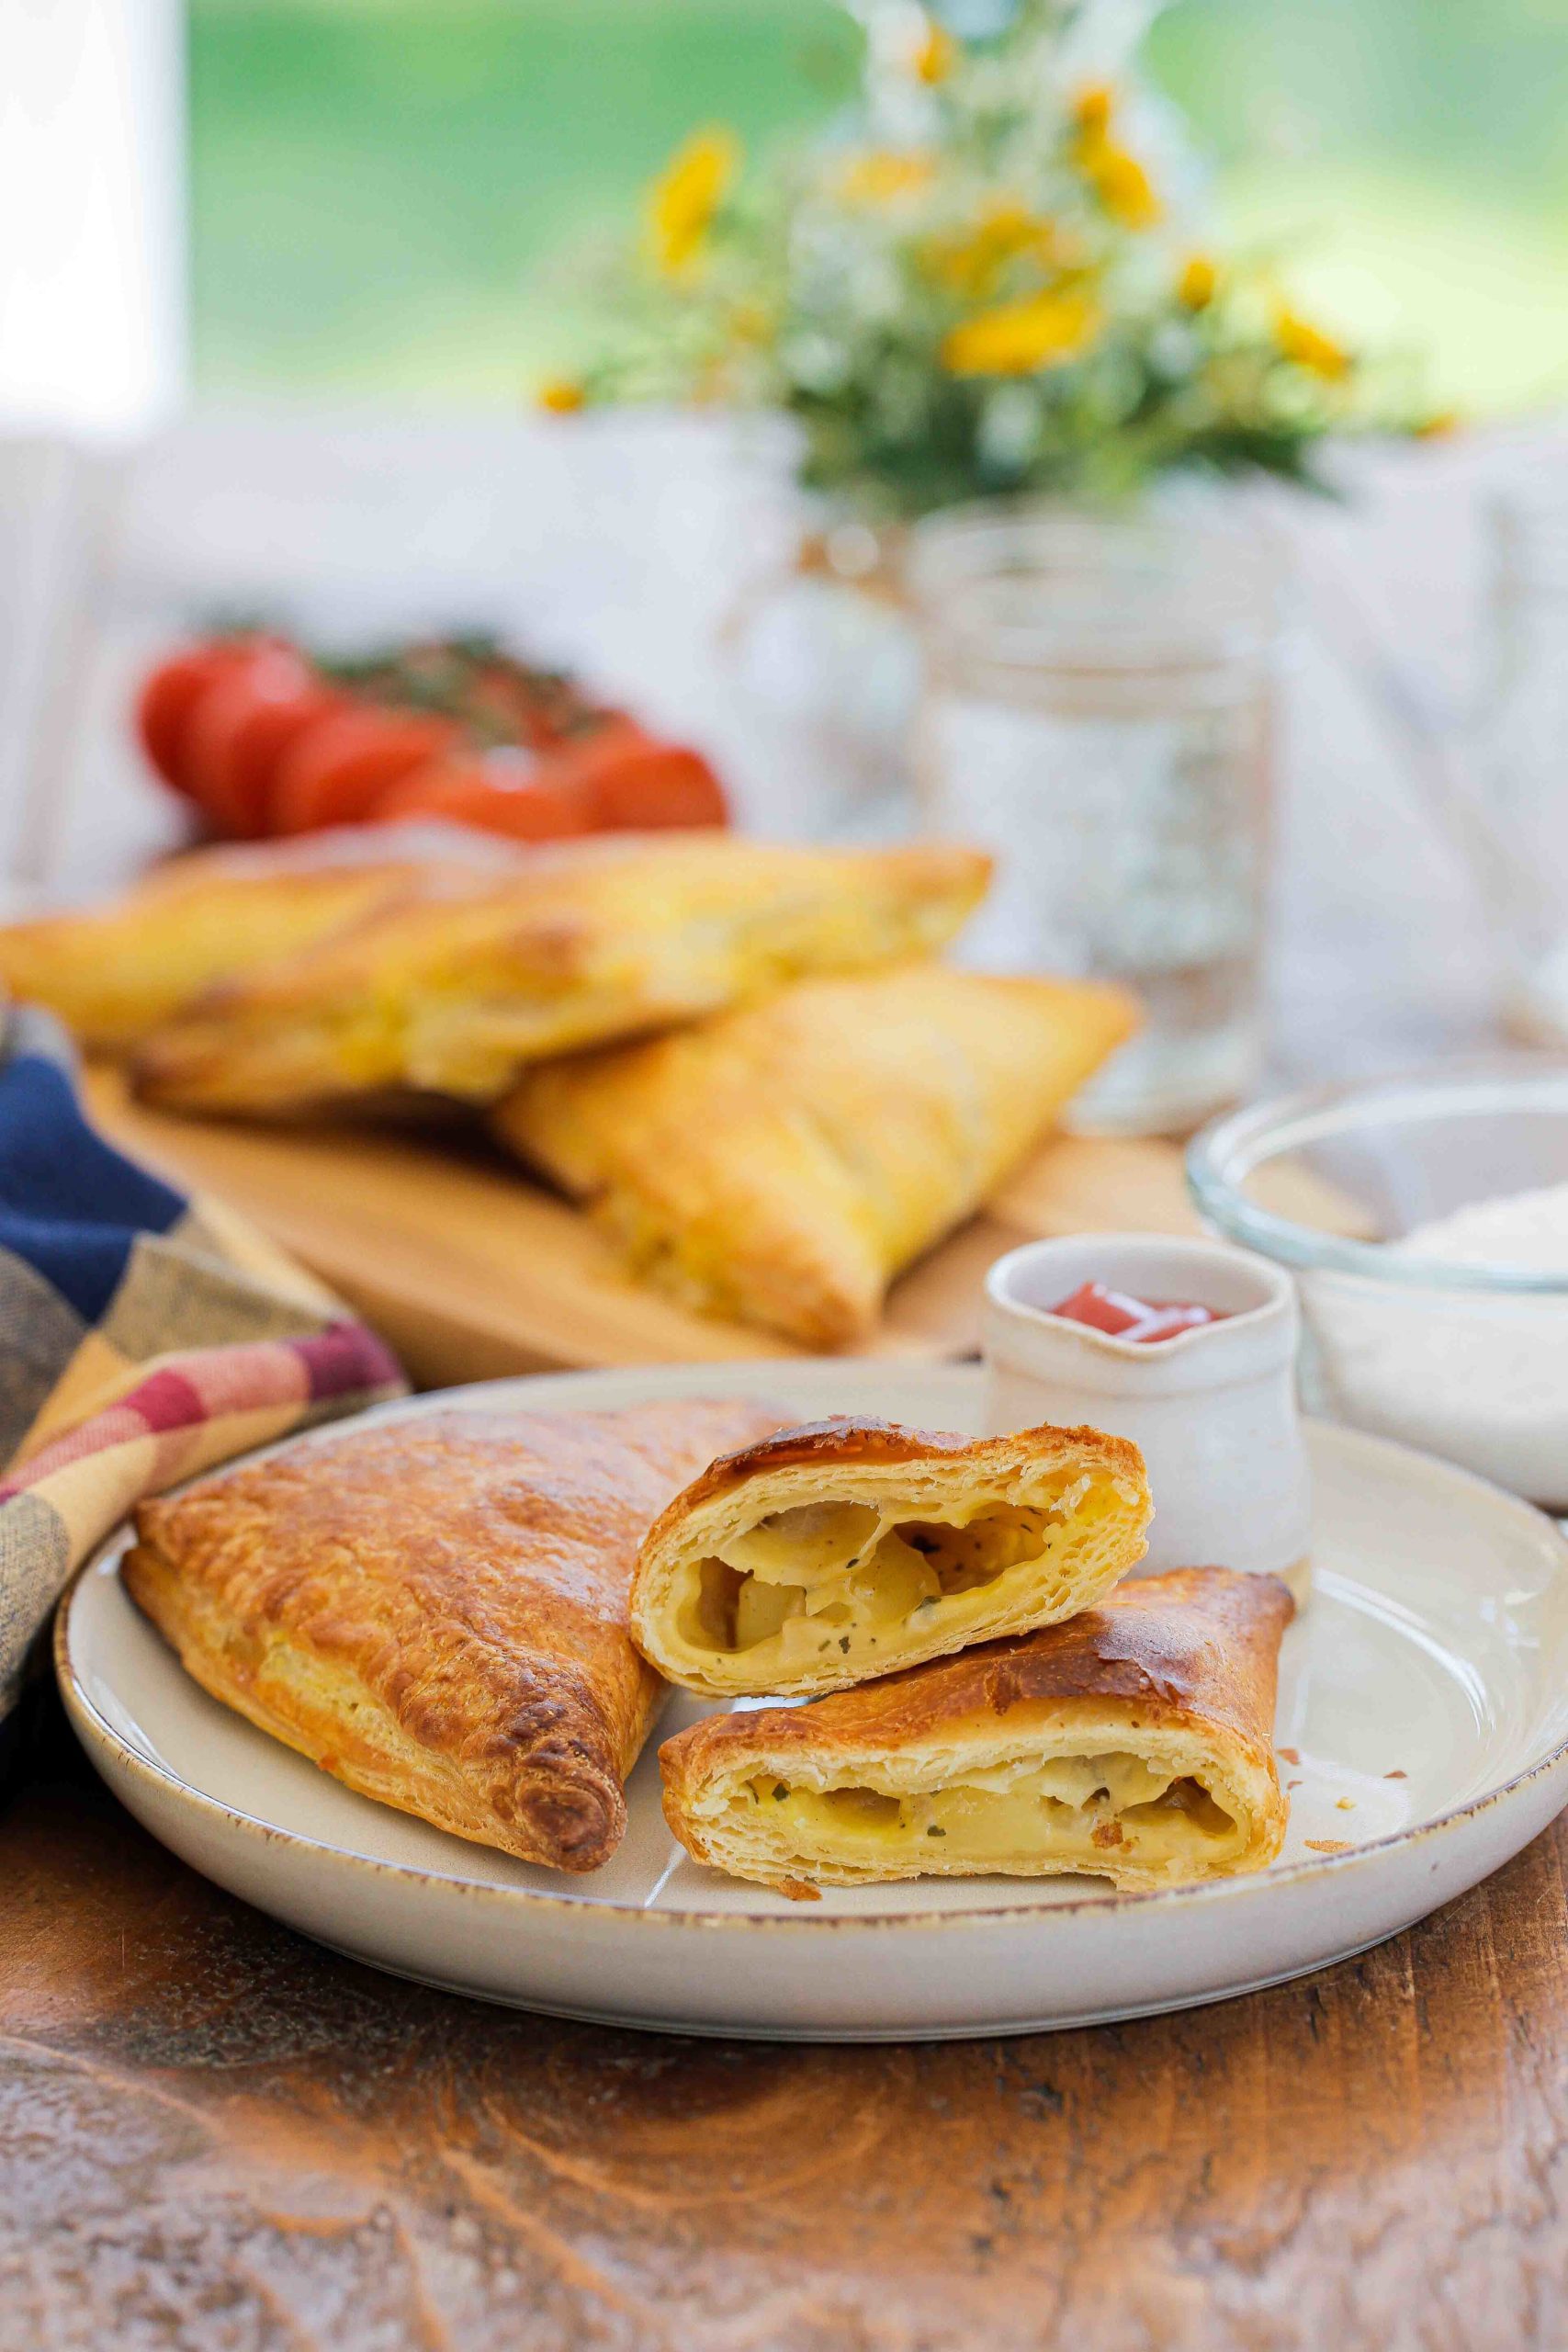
1126 1318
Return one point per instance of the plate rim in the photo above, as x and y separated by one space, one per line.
94 1729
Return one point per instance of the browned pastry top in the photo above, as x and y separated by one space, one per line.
847 1439
465 1572
1195 1644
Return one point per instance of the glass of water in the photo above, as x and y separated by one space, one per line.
1096 709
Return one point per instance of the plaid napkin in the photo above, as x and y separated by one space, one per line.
143 1336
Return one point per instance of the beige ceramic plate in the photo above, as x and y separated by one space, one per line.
1436 1648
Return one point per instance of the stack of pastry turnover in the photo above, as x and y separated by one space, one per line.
740 1054
474 1616
743 1056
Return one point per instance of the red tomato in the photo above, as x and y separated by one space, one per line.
633 782
534 808
338 771
170 695
235 738
656 785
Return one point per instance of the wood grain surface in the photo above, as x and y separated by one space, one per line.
214 2136
473 1273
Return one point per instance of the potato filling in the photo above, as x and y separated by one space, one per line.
1079 1808
850 1575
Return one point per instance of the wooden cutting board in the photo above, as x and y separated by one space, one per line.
471 1271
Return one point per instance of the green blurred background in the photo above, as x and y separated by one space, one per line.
376 183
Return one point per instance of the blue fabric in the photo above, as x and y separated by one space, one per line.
128 1313
71 1207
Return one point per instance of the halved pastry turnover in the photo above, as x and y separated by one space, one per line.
586 941
112 973
852 1548
782 1163
434 1609
1133 1743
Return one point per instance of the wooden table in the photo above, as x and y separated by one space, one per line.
214 2135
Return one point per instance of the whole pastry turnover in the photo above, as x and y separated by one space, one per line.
850 1549
434 1609
781 1163
1135 1742
586 941
114 973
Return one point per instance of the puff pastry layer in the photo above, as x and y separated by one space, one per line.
781 1163
116 972
850 1549
1133 1743
590 940
434 1609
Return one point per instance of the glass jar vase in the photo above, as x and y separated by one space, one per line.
1519 764
1097 710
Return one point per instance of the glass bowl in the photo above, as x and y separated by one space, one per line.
1469 1360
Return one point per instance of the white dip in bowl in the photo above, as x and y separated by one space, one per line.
1450 1331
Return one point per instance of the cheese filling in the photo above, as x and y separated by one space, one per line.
1089 1810
861 1579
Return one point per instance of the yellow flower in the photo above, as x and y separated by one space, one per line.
1199 282
884 174
1005 231
712 384
1015 338
1121 181
1309 348
933 59
560 396
1439 424
750 322
686 195
1093 108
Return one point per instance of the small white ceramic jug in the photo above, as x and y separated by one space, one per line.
1212 1409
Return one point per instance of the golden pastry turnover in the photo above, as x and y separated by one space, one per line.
434 1609
827 1554
586 941
1133 1743
781 1163
114 973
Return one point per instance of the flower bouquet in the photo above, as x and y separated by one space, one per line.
993 281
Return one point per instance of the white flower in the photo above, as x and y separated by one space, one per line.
815 363
1173 349
1012 424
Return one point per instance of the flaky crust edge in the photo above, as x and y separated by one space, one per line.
698 1517
1085 1675
567 1802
